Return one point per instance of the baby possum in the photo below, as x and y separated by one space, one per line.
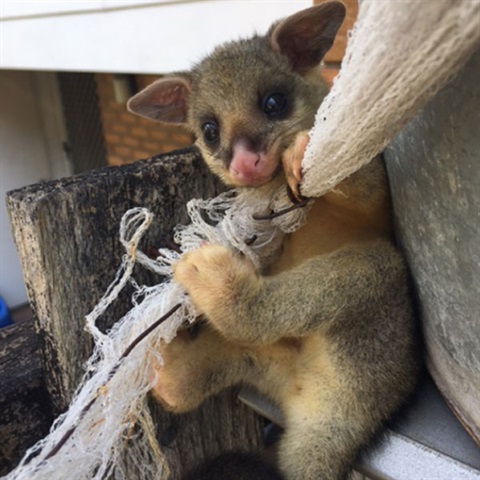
327 332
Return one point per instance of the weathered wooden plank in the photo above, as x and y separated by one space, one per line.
66 233
25 409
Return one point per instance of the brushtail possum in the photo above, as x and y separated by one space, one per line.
327 331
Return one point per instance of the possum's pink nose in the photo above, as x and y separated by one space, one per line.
248 167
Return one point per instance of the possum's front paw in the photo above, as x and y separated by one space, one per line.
292 162
218 282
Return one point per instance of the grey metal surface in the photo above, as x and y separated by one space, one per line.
434 171
429 422
261 405
427 443
400 458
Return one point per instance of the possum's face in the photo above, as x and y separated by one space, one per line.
246 106
246 102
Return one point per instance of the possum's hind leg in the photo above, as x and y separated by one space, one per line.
320 445
197 363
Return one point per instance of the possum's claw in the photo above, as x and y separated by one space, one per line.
292 162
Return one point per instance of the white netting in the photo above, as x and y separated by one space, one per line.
400 53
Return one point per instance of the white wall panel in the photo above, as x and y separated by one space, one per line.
154 38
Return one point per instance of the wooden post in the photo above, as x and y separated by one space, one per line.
25 407
66 234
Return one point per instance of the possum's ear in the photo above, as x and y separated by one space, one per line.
306 36
165 100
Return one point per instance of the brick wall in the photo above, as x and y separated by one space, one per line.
129 137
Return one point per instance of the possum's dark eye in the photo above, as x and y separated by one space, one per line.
274 104
210 132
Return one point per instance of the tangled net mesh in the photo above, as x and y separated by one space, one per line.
399 55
